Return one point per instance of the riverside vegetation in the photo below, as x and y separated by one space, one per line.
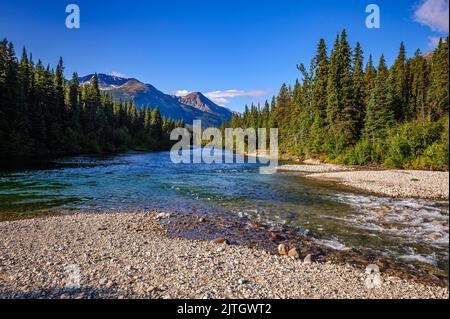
343 112
43 114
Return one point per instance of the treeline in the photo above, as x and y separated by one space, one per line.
42 114
348 111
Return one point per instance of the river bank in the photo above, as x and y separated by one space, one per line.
135 255
393 183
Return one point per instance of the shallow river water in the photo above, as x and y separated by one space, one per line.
412 230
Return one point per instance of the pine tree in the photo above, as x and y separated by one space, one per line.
294 126
59 86
74 102
438 95
273 114
349 111
419 81
156 125
13 104
380 115
306 111
365 111
399 74
359 87
283 110
3 107
369 80
333 86
319 92
40 115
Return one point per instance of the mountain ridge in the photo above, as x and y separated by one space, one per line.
194 106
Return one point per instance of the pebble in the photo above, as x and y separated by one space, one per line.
283 249
436 236
308 260
293 253
243 281
163 216
220 240
180 268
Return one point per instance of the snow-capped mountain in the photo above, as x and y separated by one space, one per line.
194 106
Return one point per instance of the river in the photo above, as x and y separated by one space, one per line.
409 230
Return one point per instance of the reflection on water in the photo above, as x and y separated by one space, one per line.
410 230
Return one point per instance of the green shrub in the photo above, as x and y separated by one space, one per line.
418 145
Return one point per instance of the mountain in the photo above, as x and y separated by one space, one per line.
201 102
194 106
428 55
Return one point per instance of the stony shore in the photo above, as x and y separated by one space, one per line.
393 183
313 168
131 255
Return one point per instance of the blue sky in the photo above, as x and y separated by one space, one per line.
249 47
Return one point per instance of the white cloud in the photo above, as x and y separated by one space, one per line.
237 93
181 92
118 74
434 14
433 42
219 100
222 98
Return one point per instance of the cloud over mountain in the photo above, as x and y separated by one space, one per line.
223 97
434 14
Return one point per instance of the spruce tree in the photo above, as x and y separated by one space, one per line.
380 115
74 94
283 110
418 84
438 95
369 79
349 111
319 96
148 118
399 77
359 87
156 128
333 86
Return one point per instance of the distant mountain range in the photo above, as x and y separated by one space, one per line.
194 106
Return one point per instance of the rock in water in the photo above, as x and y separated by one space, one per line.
308 260
283 249
293 253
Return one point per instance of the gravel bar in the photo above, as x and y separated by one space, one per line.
313 168
394 183
130 255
